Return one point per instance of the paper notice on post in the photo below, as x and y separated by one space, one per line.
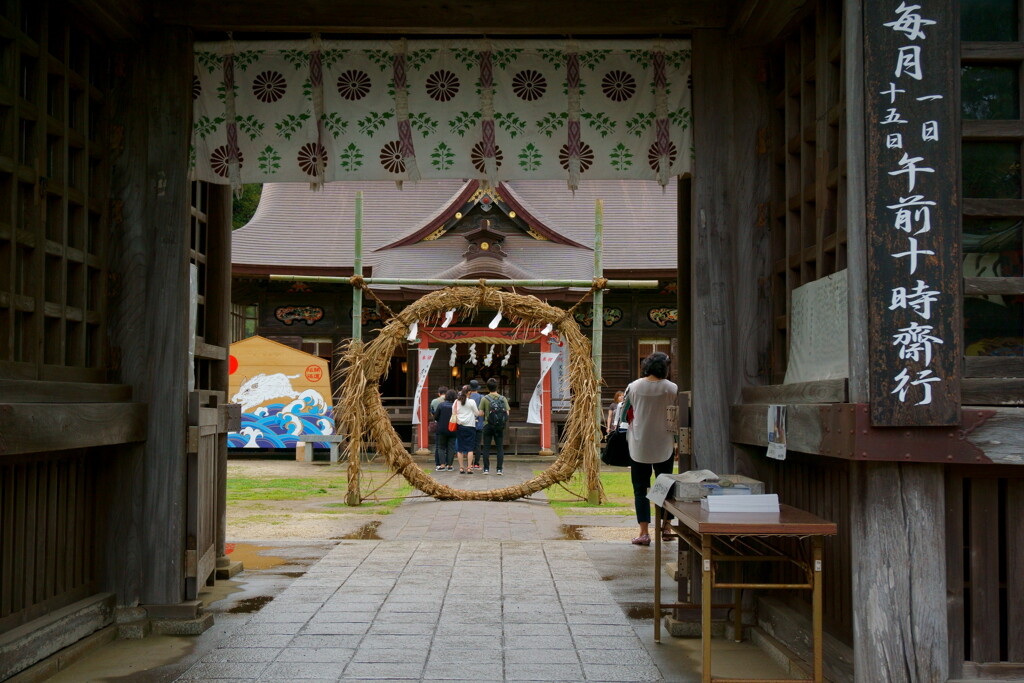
662 487
777 432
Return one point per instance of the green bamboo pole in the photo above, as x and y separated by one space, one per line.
611 284
353 496
357 269
597 334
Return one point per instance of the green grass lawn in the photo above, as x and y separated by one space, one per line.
256 492
617 488
246 488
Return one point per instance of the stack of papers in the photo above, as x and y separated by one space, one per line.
767 502
719 490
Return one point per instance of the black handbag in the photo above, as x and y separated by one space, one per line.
616 450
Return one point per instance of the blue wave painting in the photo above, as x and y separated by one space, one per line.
280 425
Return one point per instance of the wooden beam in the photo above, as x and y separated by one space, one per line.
804 426
1013 286
990 435
993 391
971 51
33 391
604 17
993 366
822 391
1001 437
211 351
43 427
994 208
992 130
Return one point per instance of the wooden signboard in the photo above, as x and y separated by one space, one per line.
285 395
913 214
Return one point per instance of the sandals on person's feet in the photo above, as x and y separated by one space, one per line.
643 539
667 535
462 471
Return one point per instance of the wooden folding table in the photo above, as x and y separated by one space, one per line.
739 537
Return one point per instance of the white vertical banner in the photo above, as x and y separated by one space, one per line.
560 379
426 358
547 359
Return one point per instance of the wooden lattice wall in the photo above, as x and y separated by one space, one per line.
808 209
53 293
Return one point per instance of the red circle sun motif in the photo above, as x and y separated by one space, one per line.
269 86
586 156
652 156
232 365
219 161
476 156
442 85
391 157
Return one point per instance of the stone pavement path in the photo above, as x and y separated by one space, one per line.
439 610
457 591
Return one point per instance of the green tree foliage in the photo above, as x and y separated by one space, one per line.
242 208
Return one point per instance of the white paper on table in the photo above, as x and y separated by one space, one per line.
662 487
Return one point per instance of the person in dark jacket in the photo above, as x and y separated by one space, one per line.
445 451
438 457
474 393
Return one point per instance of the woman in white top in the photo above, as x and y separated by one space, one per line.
651 446
466 412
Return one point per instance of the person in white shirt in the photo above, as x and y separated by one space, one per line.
651 445
466 412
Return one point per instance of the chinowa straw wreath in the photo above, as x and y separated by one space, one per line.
362 417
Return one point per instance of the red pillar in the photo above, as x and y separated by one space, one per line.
545 405
422 433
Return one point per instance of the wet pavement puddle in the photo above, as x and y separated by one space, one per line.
252 557
250 605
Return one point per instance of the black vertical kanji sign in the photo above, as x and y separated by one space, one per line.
913 212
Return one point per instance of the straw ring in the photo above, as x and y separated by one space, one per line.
364 418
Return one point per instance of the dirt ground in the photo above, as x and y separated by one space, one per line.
283 499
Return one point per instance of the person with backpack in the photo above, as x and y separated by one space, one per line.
495 414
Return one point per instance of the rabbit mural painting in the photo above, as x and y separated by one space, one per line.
284 393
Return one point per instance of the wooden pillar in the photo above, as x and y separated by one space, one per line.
899 572
168 60
151 125
218 331
729 255
897 512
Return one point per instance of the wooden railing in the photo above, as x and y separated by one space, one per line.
984 556
47 534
